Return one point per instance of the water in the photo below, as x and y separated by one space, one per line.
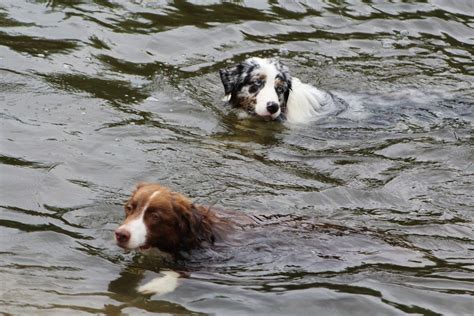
98 95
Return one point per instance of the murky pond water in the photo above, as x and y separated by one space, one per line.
98 95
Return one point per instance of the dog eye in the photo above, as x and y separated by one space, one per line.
258 83
128 209
279 89
155 216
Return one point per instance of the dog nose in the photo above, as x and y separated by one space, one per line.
122 236
272 107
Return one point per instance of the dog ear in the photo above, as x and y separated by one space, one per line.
229 77
182 209
188 224
287 92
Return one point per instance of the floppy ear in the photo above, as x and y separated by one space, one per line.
229 77
188 225
285 75
182 210
287 92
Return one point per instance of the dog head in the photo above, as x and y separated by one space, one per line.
157 217
258 86
153 216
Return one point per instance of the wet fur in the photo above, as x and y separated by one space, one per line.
244 81
173 223
255 83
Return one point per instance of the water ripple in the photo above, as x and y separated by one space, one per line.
98 95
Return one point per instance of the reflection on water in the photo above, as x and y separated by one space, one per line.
97 95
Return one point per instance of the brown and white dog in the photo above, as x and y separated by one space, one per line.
157 217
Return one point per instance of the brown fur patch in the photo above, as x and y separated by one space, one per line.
279 83
246 102
173 222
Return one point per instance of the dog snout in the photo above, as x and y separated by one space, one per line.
272 107
122 236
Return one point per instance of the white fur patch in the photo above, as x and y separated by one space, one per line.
267 93
305 102
137 227
161 285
